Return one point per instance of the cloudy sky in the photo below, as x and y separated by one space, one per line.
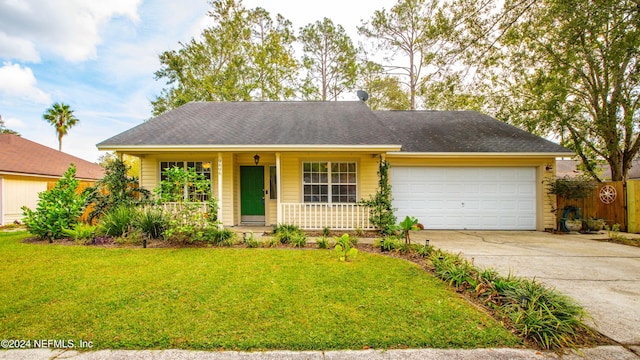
99 57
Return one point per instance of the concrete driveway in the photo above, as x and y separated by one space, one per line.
603 277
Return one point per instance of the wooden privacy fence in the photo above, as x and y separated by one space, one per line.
608 201
633 206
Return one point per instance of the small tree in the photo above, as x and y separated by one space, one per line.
380 207
58 208
114 189
182 185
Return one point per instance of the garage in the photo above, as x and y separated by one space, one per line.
473 198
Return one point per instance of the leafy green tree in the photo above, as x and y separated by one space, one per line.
57 209
415 31
61 117
4 130
244 55
271 50
385 91
330 60
567 69
115 189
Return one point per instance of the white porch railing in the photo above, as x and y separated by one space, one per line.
319 216
174 209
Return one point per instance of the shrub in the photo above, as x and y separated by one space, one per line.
57 209
379 204
151 221
543 315
572 188
115 188
118 221
81 233
252 242
219 236
298 239
286 233
323 243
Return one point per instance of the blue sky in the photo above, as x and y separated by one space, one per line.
100 57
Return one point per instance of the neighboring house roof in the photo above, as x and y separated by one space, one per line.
462 131
25 157
261 123
569 168
330 123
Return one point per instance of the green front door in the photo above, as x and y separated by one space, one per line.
252 194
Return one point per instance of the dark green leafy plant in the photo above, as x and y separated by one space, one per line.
323 243
572 188
151 221
380 208
118 221
541 314
114 189
286 234
57 209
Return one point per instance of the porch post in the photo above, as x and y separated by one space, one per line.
220 187
278 187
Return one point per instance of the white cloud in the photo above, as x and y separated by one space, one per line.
17 48
13 123
66 28
17 82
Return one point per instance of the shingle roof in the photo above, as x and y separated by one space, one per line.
462 131
569 168
261 123
21 156
330 123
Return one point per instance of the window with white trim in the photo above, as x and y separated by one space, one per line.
201 167
329 182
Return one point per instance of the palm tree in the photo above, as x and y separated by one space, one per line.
61 117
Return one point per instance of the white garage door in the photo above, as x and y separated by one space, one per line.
479 198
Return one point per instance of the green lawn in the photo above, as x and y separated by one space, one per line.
245 299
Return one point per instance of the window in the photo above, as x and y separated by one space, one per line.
329 182
202 168
273 183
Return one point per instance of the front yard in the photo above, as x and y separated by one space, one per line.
231 298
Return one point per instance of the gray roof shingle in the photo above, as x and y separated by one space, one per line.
462 131
261 123
330 123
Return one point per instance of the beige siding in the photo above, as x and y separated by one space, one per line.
545 202
228 200
20 191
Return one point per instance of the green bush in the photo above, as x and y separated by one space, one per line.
57 209
285 233
323 243
544 315
81 233
151 221
298 239
218 236
115 188
118 221
541 314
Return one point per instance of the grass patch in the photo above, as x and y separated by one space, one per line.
221 298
